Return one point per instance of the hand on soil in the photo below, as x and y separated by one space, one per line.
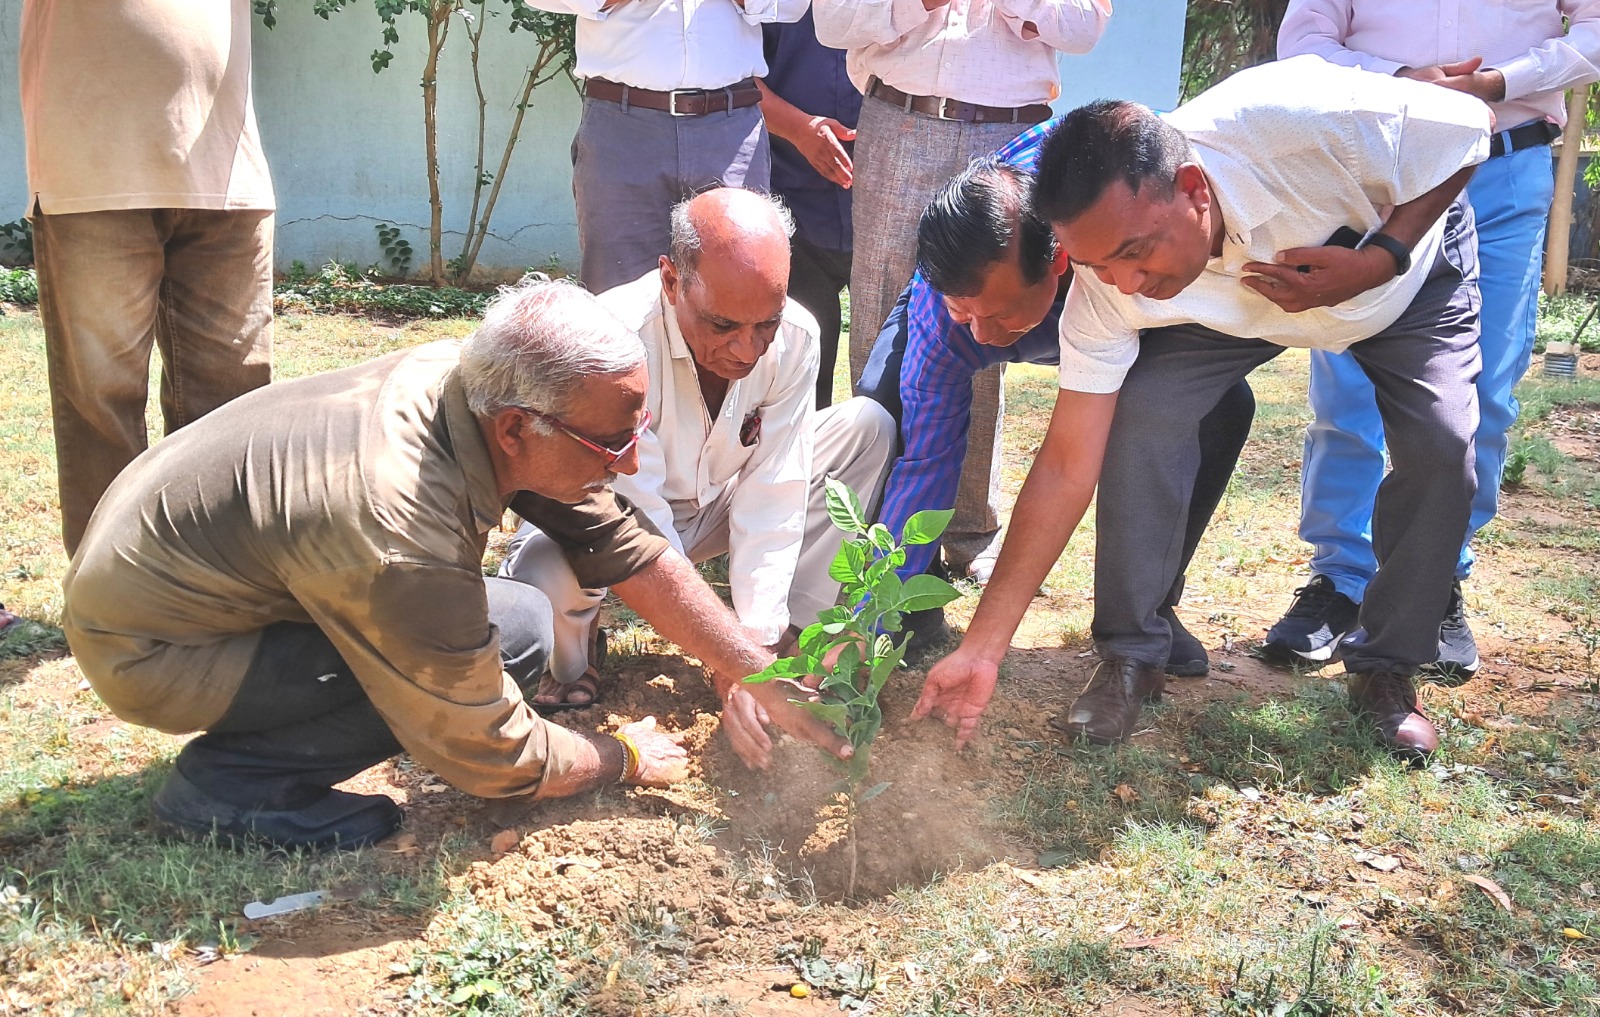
748 709
957 692
662 758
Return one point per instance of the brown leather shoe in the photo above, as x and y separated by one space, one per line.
1390 702
1106 710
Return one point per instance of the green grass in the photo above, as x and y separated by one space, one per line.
1225 870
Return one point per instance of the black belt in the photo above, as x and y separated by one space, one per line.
1540 132
955 109
680 102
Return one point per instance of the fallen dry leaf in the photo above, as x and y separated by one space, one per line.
1572 933
505 842
1383 863
1126 793
1491 888
1587 889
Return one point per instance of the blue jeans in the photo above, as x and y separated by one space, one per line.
1344 453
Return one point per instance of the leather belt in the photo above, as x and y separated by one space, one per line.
954 109
1540 132
680 102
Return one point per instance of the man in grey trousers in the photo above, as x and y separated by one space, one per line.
670 108
943 83
1297 204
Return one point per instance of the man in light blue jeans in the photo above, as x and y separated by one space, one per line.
1517 59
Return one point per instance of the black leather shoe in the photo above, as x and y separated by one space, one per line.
1187 658
1389 701
337 820
1106 710
928 629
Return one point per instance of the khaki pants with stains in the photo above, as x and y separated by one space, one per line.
196 283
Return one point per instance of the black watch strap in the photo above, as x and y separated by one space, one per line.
1400 252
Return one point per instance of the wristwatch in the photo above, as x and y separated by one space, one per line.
1400 252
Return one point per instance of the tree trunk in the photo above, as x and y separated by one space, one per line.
438 27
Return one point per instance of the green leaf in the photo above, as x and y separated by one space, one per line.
925 591
844 508
783 667
874 791
886 592
925 527
834 714
847 563
882 539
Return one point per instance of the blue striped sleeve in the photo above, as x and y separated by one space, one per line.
936 399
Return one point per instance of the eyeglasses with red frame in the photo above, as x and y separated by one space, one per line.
612 456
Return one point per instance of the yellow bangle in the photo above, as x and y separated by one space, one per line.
630 759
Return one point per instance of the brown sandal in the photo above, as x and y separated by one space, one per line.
587 684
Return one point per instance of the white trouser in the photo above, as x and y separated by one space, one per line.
853 442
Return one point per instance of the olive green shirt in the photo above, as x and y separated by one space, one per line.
359 500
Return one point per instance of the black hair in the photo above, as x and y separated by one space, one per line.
971 223
1099 144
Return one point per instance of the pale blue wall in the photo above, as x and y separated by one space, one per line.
346 145
1138 58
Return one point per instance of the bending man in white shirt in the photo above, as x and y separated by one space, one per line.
1517 57
736 452
1209 240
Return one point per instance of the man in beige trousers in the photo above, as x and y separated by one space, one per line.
152 213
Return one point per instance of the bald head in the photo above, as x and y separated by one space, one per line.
734 229
726 276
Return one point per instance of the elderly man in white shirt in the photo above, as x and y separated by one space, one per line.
1518 57
736 453
670 109
1295 204
944 81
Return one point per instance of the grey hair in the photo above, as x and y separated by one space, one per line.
539 339
684 247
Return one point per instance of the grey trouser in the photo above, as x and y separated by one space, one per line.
901 160
631 165
301 722
854 443
195 283
1424 368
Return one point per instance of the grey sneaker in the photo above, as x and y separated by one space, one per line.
1458 651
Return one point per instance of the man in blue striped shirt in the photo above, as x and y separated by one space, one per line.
989 289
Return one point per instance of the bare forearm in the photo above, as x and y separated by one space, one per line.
1409 222
1047 512
784 119
1052 503
598 763
670 595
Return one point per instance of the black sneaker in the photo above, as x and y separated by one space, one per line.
336 820
1319 617
1187 658
1458 651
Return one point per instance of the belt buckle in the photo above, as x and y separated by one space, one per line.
943 112
672 104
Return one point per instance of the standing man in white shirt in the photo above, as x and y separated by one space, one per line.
944 81
670 108
1518 58
152 215
736 452
1203 238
